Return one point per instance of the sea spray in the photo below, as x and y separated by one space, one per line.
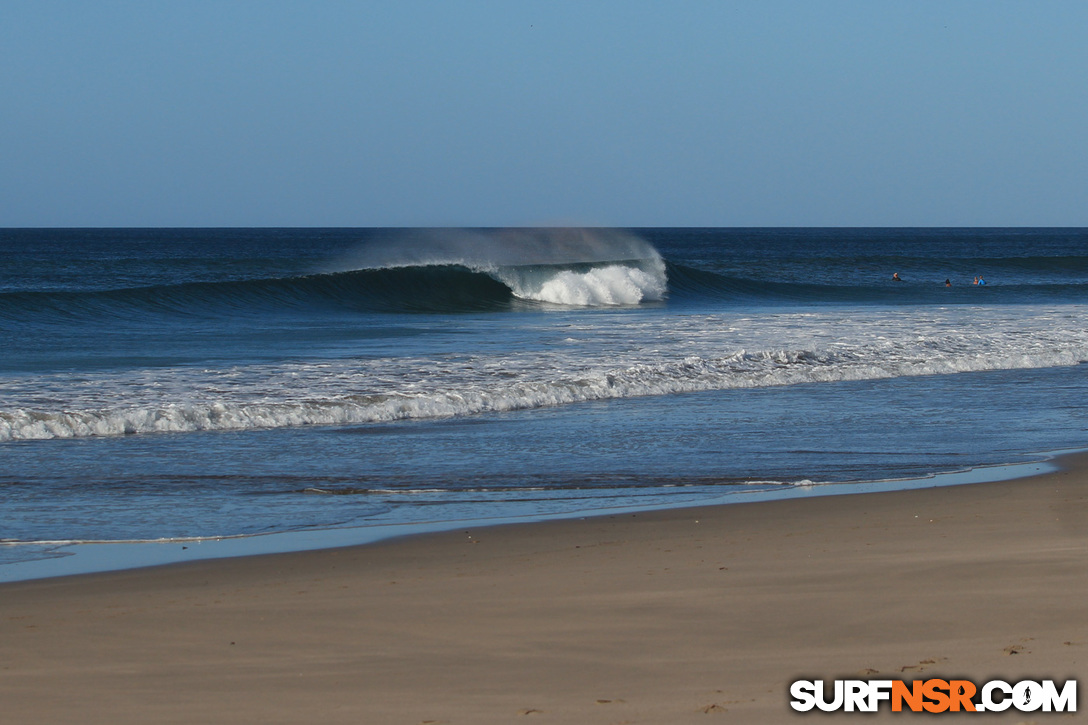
562 266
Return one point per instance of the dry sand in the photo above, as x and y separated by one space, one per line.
697 615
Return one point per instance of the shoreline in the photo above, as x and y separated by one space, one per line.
75 558
673 615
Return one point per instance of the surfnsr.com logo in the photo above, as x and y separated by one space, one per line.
934 695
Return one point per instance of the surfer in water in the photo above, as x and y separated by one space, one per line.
896 277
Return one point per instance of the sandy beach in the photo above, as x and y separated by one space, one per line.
695 615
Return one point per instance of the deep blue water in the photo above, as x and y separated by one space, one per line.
201 383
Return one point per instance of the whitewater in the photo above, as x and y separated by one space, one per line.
654 357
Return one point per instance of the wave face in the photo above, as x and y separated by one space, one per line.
439 288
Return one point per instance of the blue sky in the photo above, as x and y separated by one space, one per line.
512 113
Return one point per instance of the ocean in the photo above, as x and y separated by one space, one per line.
187 385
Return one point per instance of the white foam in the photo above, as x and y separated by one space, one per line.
604 358
614 284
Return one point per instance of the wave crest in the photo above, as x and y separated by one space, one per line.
562 266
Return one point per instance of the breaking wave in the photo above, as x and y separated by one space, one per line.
558 267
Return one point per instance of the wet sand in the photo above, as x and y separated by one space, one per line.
694 615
